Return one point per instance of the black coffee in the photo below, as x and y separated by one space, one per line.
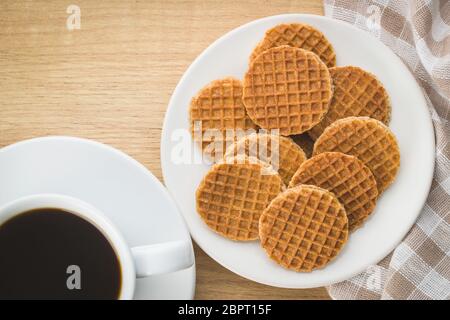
54 254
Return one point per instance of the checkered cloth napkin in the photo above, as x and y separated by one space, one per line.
418 31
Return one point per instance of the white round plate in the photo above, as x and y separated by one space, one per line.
132 198
397 208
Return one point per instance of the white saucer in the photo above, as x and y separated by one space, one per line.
135 201
397 208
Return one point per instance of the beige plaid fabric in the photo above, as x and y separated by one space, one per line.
419 32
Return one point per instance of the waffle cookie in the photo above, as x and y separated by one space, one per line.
288 89
347 178
231 198
303 228
300 36
215 109
267 168
369 140
356 93
280 152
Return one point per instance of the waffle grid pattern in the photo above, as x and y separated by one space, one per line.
304 228
300 36
232 197
367 139
347 178
289 155
219 106
288 89
356 93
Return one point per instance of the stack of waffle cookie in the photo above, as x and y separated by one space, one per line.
302 205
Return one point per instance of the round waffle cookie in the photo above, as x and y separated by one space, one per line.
347 178
356 93
303 228
231 198
267 168
300 36
215 109
288 89
369 140
280 152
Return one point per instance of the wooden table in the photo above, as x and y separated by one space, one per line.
111 81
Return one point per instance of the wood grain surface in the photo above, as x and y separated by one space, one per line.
111 81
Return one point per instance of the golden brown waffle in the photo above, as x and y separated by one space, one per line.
369 140
300 36
231 198
288 89
347 178
280 152
244 159
356 93
218 106
303 228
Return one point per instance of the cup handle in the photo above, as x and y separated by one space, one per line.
162 258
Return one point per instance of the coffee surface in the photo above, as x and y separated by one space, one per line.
54 254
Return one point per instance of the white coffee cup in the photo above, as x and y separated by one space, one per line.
136 262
